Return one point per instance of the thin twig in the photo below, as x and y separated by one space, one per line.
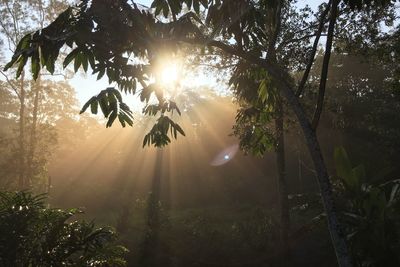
11 83
308 36
222 67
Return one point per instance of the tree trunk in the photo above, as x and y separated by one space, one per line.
152 250
309 131
21 141
324 182
283 191
33 135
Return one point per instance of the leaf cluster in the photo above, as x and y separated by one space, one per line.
111 105
257 96
158 135
175 7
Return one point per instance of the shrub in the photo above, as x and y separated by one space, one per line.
33 235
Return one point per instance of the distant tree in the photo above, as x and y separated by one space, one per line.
56 102
363 105
17 19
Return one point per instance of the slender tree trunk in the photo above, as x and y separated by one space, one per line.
21 155
338 239
274 27
152 248
33 135
283 191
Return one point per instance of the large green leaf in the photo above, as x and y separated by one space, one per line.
342 163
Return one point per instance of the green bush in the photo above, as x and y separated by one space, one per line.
33 235
371 214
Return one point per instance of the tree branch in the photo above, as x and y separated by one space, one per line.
276 30
221 67
11 83
15 24
325 65
316 35
313 51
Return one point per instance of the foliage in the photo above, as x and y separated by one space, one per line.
254 87
371 214
33 235
257 109
28 117
132 60
362 104
88 26
110 102
85 29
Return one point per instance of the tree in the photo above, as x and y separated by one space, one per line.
107 34
56 102
260 121
361 105
18 18
366 96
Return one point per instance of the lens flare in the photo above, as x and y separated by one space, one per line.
225 155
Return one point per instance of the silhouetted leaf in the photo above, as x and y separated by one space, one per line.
35 64
88 103
71 56
94 106
78 61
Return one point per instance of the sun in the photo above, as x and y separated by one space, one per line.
169 73
175 77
